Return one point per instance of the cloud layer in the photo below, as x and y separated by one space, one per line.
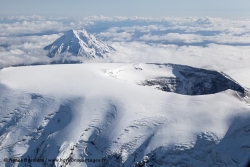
215 43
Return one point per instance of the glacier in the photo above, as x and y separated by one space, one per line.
105 115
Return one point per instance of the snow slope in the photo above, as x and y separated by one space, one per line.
78 43
81 112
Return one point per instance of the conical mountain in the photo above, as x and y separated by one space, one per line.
79 43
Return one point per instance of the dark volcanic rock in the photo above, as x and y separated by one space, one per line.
194 81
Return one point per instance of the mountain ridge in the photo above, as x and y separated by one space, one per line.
78 43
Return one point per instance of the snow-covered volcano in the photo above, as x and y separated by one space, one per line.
79 43
79 116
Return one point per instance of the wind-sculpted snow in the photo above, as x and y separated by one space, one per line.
208 150
77 116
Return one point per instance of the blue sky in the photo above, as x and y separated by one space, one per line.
153 8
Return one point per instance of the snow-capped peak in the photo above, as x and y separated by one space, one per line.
79 43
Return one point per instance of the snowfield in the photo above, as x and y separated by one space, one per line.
97 112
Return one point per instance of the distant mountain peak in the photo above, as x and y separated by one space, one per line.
79 43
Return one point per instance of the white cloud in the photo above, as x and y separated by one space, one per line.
233 60
24 50
21 18
173 37
215 43
122 36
